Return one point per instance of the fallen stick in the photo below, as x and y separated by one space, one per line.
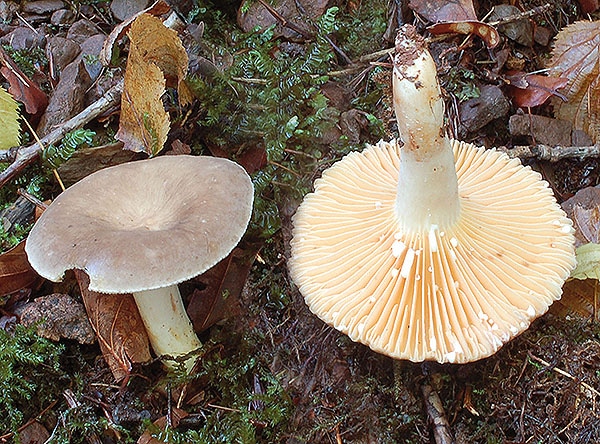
26 155
552 153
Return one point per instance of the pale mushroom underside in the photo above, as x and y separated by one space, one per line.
453 295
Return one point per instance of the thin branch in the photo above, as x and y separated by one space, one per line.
27 155
564 373
552 153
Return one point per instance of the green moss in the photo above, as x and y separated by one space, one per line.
31 377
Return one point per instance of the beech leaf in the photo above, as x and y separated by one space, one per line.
156 56
118 326
576 57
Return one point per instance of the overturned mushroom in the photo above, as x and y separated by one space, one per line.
142 228
436 250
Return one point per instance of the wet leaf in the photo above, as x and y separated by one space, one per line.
444 11
21 87
486 32
156 56
529 90
223 285
118 326
15 271
9 120
576 57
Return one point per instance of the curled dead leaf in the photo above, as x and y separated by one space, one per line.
118 326
156 56
444 10
15 271
486 32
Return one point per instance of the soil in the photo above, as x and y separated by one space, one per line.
308 383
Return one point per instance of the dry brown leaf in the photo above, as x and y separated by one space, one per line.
158 8
118 326
584 210
155 54
576 57
578 299
15 271
486 32
444 10
176 416
529 90
223 286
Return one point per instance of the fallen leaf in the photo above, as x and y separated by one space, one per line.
9 120
584 210
57 316
176 416
158 8
223 285
156 55
15 271
588 262
118 326
579 299
486 32
588 6
576 57
21 87
529 90
443 10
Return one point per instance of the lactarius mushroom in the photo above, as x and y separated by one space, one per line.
142 228
433 250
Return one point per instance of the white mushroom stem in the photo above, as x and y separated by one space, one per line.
427 184
168 326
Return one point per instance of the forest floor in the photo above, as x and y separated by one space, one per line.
286 104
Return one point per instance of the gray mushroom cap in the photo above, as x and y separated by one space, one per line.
144 225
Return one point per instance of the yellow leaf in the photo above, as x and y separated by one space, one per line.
156 59
9 121
576 57
588 262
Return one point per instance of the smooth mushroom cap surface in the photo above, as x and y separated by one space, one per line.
144 225
452 295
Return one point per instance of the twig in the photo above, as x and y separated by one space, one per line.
564 373
4 438
437 416
91 437
550 153
28 154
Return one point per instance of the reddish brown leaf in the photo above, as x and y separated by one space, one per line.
118 326
15 271
21 87
176 416
223 286
444 10
588 6
486 32
529 90
576 57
